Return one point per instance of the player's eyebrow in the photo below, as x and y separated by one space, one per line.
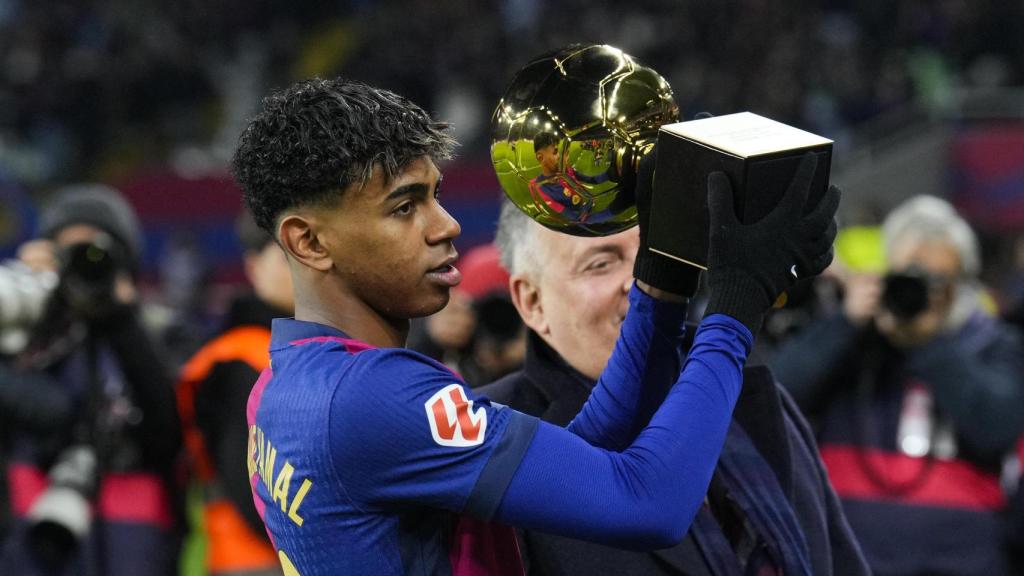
413 189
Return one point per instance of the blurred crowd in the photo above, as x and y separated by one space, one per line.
122 459
121 431
97 89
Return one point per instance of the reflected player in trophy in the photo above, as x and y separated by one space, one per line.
562 190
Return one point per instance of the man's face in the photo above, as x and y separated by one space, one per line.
940 261
548 158
391 242
583 294
938 258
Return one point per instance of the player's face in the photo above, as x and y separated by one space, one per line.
391 242
584 294
548 158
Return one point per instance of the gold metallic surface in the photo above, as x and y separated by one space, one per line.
600 109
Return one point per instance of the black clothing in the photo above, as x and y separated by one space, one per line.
915 437
220 410
549 388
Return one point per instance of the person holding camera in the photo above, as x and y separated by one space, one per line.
917 396
28 400
94 496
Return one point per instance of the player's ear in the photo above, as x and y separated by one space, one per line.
299 239
526 298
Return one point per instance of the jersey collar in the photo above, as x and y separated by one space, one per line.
285 332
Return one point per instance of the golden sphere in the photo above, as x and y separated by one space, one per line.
569 132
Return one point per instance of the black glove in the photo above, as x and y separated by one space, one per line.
750 265
655 269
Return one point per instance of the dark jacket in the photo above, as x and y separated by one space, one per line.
122 400
220 409
550 389
213 390
942 513
29 402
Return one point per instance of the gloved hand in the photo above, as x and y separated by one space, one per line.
749 265
659 271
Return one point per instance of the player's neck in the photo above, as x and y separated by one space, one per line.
353 317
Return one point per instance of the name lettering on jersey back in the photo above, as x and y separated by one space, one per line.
281 482
453 421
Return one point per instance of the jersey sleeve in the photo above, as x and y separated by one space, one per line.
645 496
404 430
644 365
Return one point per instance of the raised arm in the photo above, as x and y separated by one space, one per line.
420 439
749 267
643 367
645 496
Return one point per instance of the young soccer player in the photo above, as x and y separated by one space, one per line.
367 458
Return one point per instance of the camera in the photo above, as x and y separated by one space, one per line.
88 272
907 294
62 515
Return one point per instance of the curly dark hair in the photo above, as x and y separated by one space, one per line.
317 137
544 139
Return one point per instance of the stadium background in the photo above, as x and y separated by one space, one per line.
921 97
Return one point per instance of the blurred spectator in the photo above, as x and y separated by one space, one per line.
99 89
212 395
499 343
917 396
769 508
478 334
28 400
93 495
185 298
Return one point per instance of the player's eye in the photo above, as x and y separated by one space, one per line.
403 209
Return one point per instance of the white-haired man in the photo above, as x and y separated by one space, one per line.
769 504
917 396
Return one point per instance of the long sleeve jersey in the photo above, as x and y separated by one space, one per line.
381 461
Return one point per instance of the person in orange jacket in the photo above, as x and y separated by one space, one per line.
212 394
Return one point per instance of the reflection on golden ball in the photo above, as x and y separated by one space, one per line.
569 133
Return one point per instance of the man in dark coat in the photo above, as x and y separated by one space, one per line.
915 394
770 503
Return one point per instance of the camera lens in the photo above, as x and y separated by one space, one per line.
92 263
88 274
906 294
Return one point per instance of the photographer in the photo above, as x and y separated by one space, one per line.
92 497
29 401
917 396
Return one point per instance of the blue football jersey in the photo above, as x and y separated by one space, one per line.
378 461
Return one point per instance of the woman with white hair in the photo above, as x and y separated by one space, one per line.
917 396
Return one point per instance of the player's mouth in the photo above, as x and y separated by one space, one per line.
446 274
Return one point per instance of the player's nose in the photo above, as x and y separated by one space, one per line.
443 226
